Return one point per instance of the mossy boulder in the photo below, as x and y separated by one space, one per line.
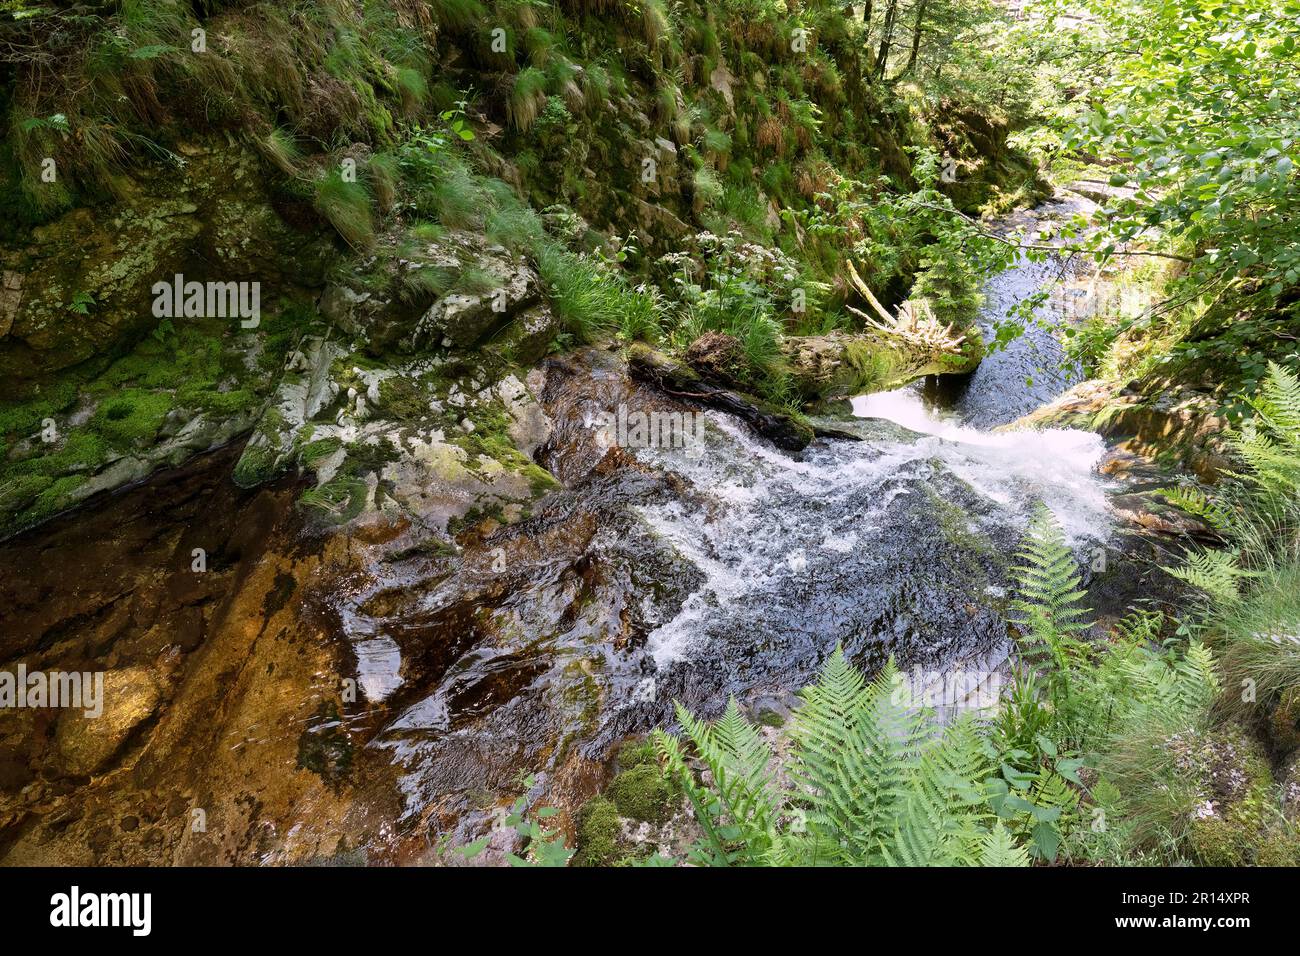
642 793
409 438
611 827
423 287
718 356
1237 818
81 286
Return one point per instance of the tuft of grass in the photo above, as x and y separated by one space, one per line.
426 282
382 171
474 280
594 301
346 205
413 89
515 226
456 198
458 14
280 149
1255 638
527 98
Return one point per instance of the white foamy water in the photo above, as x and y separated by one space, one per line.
776 529
1057 466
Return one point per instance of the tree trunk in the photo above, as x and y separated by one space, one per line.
916 36
886 39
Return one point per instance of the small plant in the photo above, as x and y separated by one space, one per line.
594 300
541 847
82 303
872 781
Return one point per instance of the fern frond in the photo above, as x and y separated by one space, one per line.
942 820
855 746
1278 403
736 755
1049 584
998 848
1217 573
1270 443
1195 502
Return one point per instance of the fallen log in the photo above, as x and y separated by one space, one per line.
679 381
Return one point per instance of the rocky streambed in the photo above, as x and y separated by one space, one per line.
486 579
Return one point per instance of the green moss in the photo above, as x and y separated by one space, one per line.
1237 819
23 419
314 451
337 501
56 497
637 753
642 793
223 404
598 841
132 418
403 399
255 465
19 491
366 457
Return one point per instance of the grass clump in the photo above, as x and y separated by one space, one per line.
593 301
527 98
345 203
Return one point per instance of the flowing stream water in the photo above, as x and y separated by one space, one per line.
654 575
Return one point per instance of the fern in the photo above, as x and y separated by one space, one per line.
998 848
1049 586
1256 509
843 715
1217 573
738 812
1198 504
946 811
871 781
1050 617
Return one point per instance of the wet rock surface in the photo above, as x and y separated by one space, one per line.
366 689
